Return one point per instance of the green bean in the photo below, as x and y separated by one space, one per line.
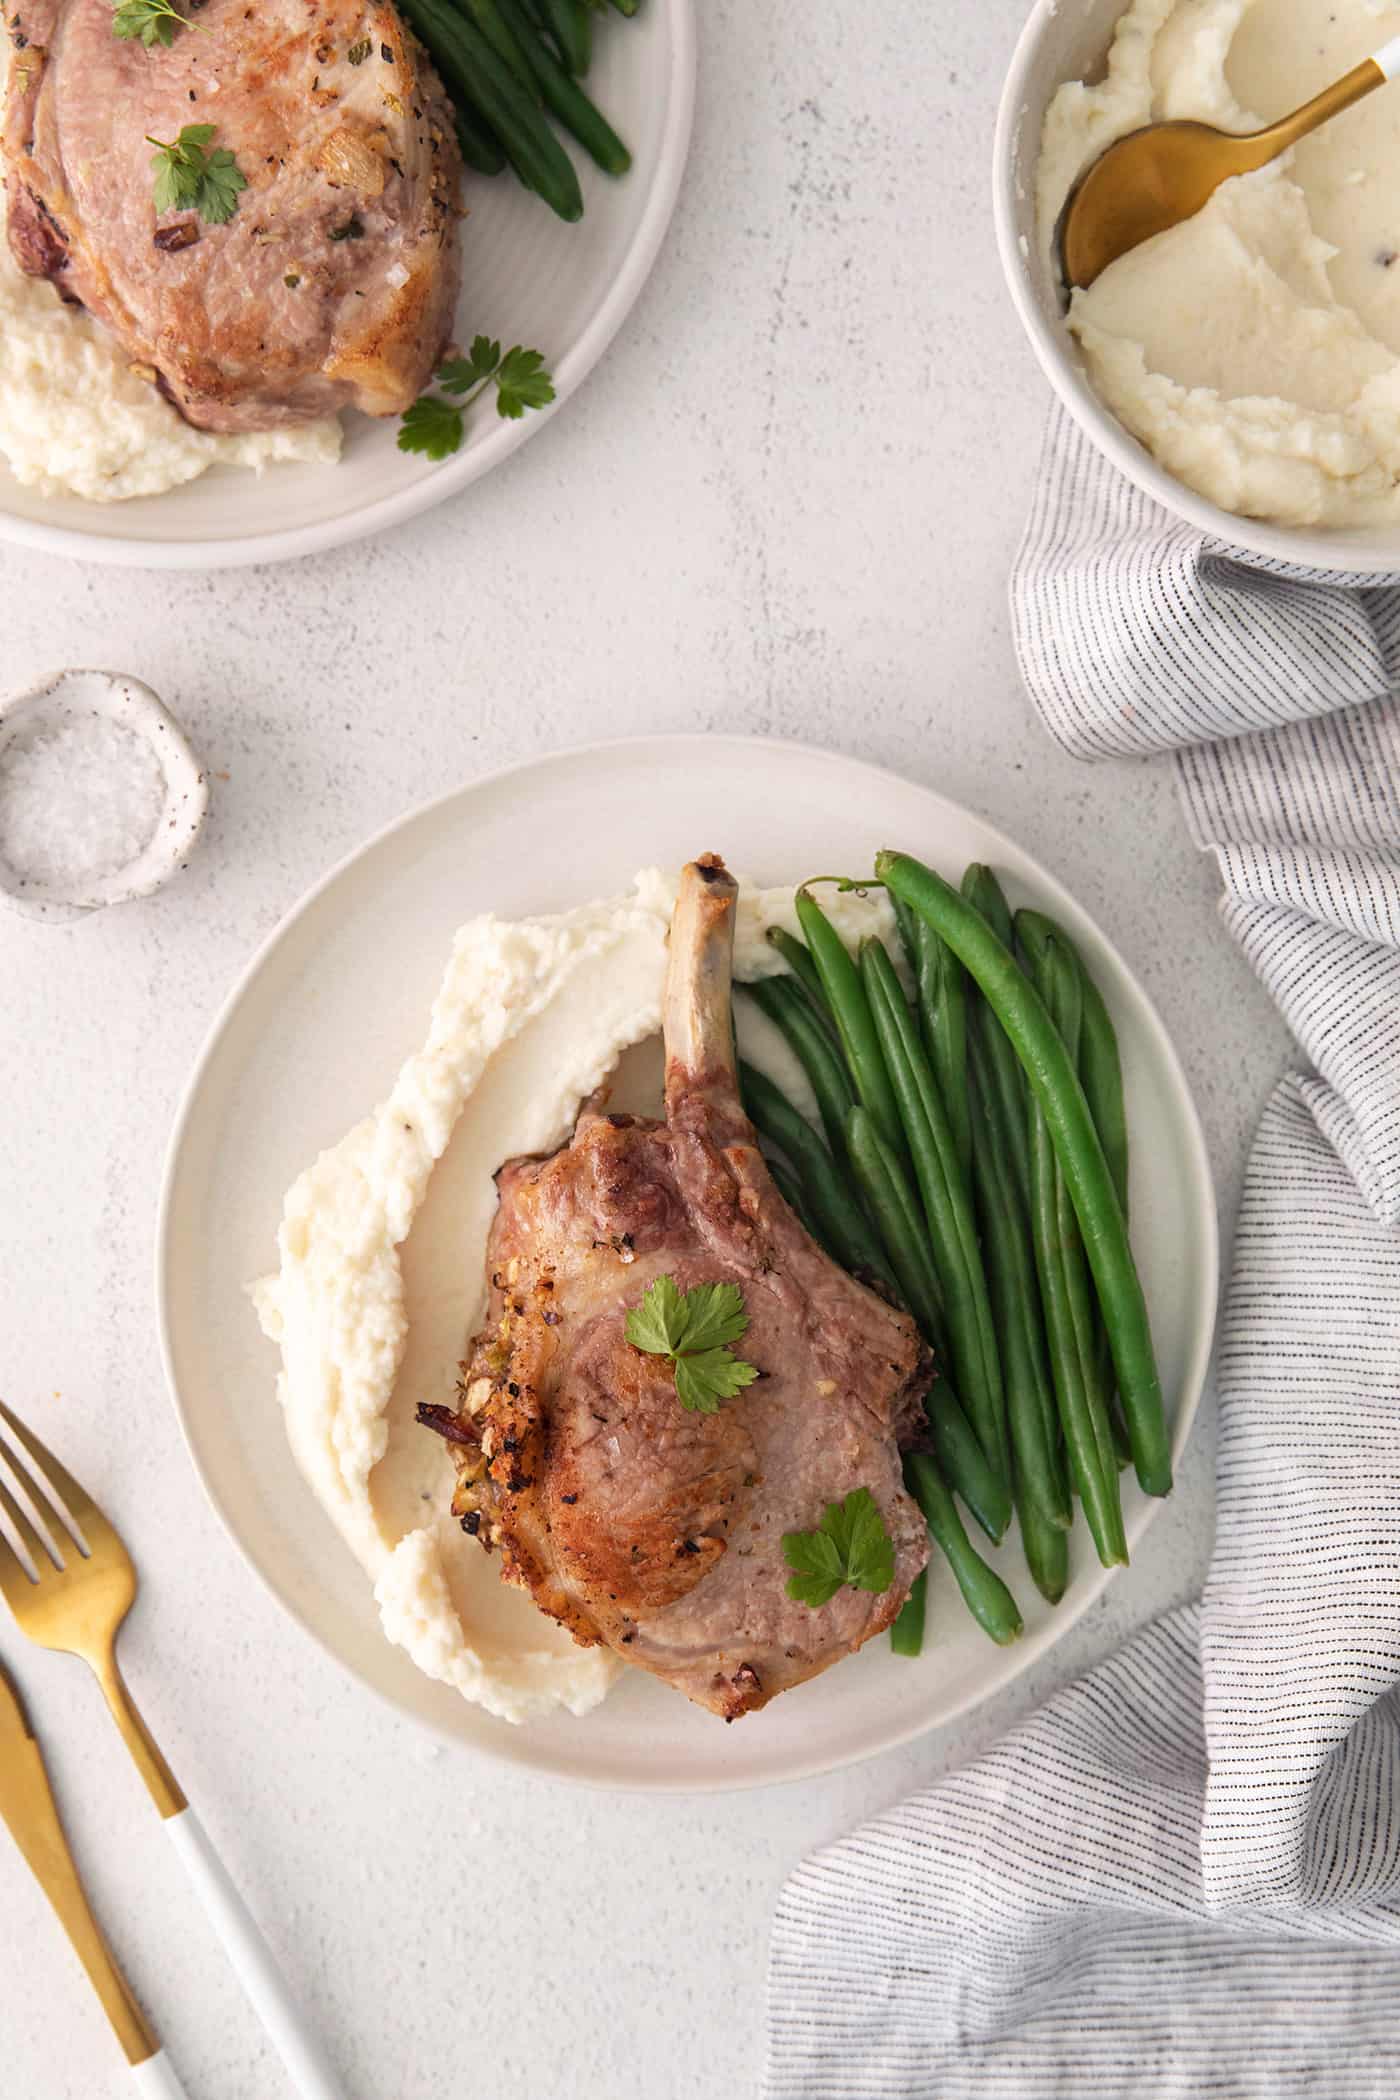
570 23
907 1632
1032 1422
785 1181
1063 1281
892 1205
786 1007
941 998
504 37
1122 1449
947 1204
984 893
1055 1084
1097 1060
1101 1076
798 957
1005 1090
841 982
843 1228
907 926
1097 1488
563 96
1047 1550
481 149
472 69
1002 1099
881 1181
942 984
965 1463
984 1593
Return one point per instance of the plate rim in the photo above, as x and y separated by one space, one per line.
1027 1652
450 477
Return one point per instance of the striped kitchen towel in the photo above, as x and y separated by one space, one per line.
1181 1878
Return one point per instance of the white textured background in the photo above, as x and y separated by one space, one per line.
786 503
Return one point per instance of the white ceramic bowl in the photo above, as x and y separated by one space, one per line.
1068 40
73 698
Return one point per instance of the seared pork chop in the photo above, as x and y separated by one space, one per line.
628 1519
335 280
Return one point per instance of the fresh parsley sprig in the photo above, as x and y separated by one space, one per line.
435 426
850 1546
189 176
692 1330
152 21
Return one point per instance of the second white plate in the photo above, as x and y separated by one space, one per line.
313 1037
527 278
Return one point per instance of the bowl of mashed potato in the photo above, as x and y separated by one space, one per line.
1243 369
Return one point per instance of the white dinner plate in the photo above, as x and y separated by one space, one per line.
312 1039
527 278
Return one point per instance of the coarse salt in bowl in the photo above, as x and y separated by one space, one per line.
101 797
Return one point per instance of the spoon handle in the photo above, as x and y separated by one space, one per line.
1361 80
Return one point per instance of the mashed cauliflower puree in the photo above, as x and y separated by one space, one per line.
76 418
1254 350
380 1281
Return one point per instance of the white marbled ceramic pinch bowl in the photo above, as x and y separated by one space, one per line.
70 697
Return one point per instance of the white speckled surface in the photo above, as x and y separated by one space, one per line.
786 503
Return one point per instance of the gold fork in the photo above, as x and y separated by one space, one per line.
73 1597
28 1807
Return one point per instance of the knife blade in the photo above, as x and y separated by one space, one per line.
28 1808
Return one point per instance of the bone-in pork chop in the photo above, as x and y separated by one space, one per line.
333 283
630 1520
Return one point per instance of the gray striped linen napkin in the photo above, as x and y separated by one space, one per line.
1182 1876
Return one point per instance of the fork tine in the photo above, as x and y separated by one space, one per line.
36 1547
80 1508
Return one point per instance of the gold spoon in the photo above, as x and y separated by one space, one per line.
1156 177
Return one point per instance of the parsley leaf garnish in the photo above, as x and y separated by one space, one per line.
849 1546
704 1377
189 176
460 373
692 1330
153 21
432 426
521 383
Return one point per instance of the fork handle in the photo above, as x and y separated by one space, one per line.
156 2079
305 2060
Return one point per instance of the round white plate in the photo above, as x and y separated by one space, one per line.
313 1037
527 278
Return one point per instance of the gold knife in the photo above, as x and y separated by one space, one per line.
28 1808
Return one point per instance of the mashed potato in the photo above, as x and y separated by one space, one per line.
1255 350
380 1280
76 418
